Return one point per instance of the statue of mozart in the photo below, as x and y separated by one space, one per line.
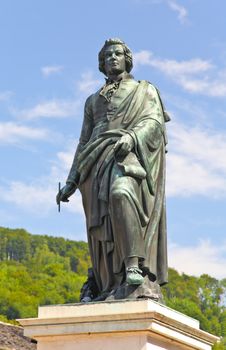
119 168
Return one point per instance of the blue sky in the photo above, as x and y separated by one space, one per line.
48 69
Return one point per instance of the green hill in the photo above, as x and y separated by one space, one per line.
43 270
38 270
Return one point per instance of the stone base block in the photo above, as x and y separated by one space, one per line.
116 325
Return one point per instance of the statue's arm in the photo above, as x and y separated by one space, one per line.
150 128
73 177
87 128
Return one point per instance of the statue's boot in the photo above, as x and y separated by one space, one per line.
134 276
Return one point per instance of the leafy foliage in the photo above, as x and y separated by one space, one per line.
202 298
38 270
41 270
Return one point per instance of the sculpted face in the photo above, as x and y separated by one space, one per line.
115 62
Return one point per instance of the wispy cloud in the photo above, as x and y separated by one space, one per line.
31 197
39 196
88 83
59 108
11 132
196 163
194 75
172 67
56 108
180 10
60 169
50 70
65 158
206 257
5 95
215 87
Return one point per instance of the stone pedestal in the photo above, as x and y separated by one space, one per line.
117 325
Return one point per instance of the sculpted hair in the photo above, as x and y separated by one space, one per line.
127 52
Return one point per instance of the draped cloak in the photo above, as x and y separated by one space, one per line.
135 108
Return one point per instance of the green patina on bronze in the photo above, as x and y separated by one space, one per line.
119 168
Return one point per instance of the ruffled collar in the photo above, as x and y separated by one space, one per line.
111 86
125 76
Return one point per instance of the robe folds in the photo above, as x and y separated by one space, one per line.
123 198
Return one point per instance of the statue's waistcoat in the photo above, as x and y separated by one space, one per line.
104 109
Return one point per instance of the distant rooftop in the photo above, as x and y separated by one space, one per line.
12 338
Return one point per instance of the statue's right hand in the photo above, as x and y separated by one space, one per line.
65 193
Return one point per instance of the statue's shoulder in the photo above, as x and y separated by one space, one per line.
154 93
94 96
130 81
151 88
90 100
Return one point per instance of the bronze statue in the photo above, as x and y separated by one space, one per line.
119 168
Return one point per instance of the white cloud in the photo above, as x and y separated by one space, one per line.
182 106
39 196
12 132
75 205
206 86
206 257
60 170
181 11
66 158
5 95
186 177
56 108
63 161
50 70
196 163
172 67
142 57
194 75
88 83
204 145
32 197
59 108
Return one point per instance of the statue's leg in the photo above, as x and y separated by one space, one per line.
99 237
101 256
127 206
126 214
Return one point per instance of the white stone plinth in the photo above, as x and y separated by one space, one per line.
117 325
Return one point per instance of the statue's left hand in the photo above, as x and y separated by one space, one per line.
124 145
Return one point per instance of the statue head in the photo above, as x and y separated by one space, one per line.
127 54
